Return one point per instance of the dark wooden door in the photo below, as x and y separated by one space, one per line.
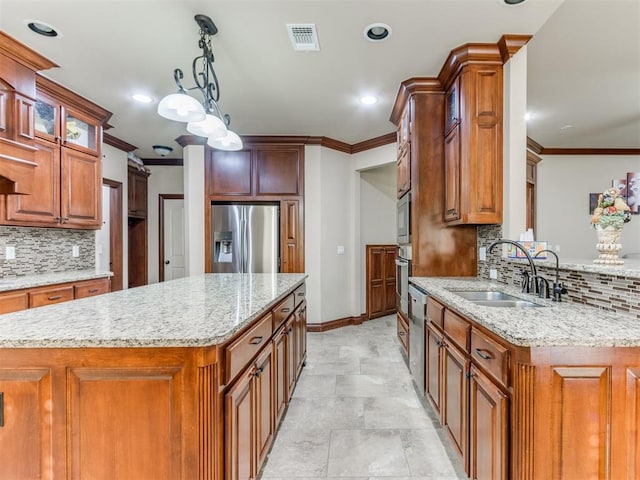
239 431
455 399
489 409
381 280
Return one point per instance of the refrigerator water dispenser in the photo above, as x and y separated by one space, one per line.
223 247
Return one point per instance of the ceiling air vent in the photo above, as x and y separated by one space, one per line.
304 37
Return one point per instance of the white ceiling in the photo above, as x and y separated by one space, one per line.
584 61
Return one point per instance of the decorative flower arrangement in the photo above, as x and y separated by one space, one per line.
612 210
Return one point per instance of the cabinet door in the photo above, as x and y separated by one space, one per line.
291 244
291 356
300 337
81 193
280 396
47 118
228 173
279 170
265 407
137 194
24 109
80 132
433 369
489 410
239 431
404 170
452 106
42 205
26 421
455 399
452 175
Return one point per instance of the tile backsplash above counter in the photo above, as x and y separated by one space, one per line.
610 289
45 250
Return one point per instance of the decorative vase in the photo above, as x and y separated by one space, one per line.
609 246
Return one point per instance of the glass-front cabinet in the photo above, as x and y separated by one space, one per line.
57 123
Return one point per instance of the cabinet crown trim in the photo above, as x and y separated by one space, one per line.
22 54
410 87
476 53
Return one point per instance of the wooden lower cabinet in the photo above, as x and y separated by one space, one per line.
381 280
534 413
488 429
239 429
13 302
280 364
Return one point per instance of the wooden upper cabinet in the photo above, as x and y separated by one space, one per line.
137 193
452 107
81 195
478 161
229 173
278 171
292 260
403 170
452 175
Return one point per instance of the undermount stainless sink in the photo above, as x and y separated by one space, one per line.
494 298
475 295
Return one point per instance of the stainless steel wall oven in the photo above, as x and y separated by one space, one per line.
403 272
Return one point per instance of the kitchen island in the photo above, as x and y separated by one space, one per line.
184 379
550 391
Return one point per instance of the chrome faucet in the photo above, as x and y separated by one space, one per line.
534 270
558 288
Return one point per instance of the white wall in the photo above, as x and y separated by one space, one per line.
563 185
114 167
336 201
163 180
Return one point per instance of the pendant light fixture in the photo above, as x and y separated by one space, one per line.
203 119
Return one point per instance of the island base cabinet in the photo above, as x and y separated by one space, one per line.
489 410
25 439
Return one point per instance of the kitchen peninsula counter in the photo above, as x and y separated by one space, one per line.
551 324
171 381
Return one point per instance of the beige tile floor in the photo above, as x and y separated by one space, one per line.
355 414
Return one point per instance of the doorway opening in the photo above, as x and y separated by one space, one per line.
110 235
171 245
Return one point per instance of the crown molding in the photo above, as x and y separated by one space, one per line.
476 53
22 54
590 151
410 87
117 143
510 44
534 146
70 98
165 162
376 142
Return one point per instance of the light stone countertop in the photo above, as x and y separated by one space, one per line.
195 311
552 324
30 281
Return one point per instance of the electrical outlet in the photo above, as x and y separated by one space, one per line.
75 251
10 253
482 254
493 274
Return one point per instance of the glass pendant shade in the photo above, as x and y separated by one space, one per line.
230 142
211 127
181 108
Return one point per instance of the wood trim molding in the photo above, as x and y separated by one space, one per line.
534 146
333 324
336 145
71 98
533 158
477 53
510 44
590 151
161 198
410 87
24 55
117 143
186 140
166 162
376 142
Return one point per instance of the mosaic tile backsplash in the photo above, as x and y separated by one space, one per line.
46 250
616 293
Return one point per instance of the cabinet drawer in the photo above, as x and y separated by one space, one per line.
491 356
403 334
458 329
39 298
13 302
89 289
282 311
240 352
435 312
300 294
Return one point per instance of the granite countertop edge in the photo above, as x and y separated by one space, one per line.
160 319
552 324
20 282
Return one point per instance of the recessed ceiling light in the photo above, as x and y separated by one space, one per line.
42 28
512 2
368 100
142 98
377 32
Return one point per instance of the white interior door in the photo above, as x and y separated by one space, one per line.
174 245
103 247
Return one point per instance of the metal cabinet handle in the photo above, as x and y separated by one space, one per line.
401 334
1 409
93 290
285 310
481 353
55 297
258 371
256 341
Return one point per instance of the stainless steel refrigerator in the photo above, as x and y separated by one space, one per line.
246 238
